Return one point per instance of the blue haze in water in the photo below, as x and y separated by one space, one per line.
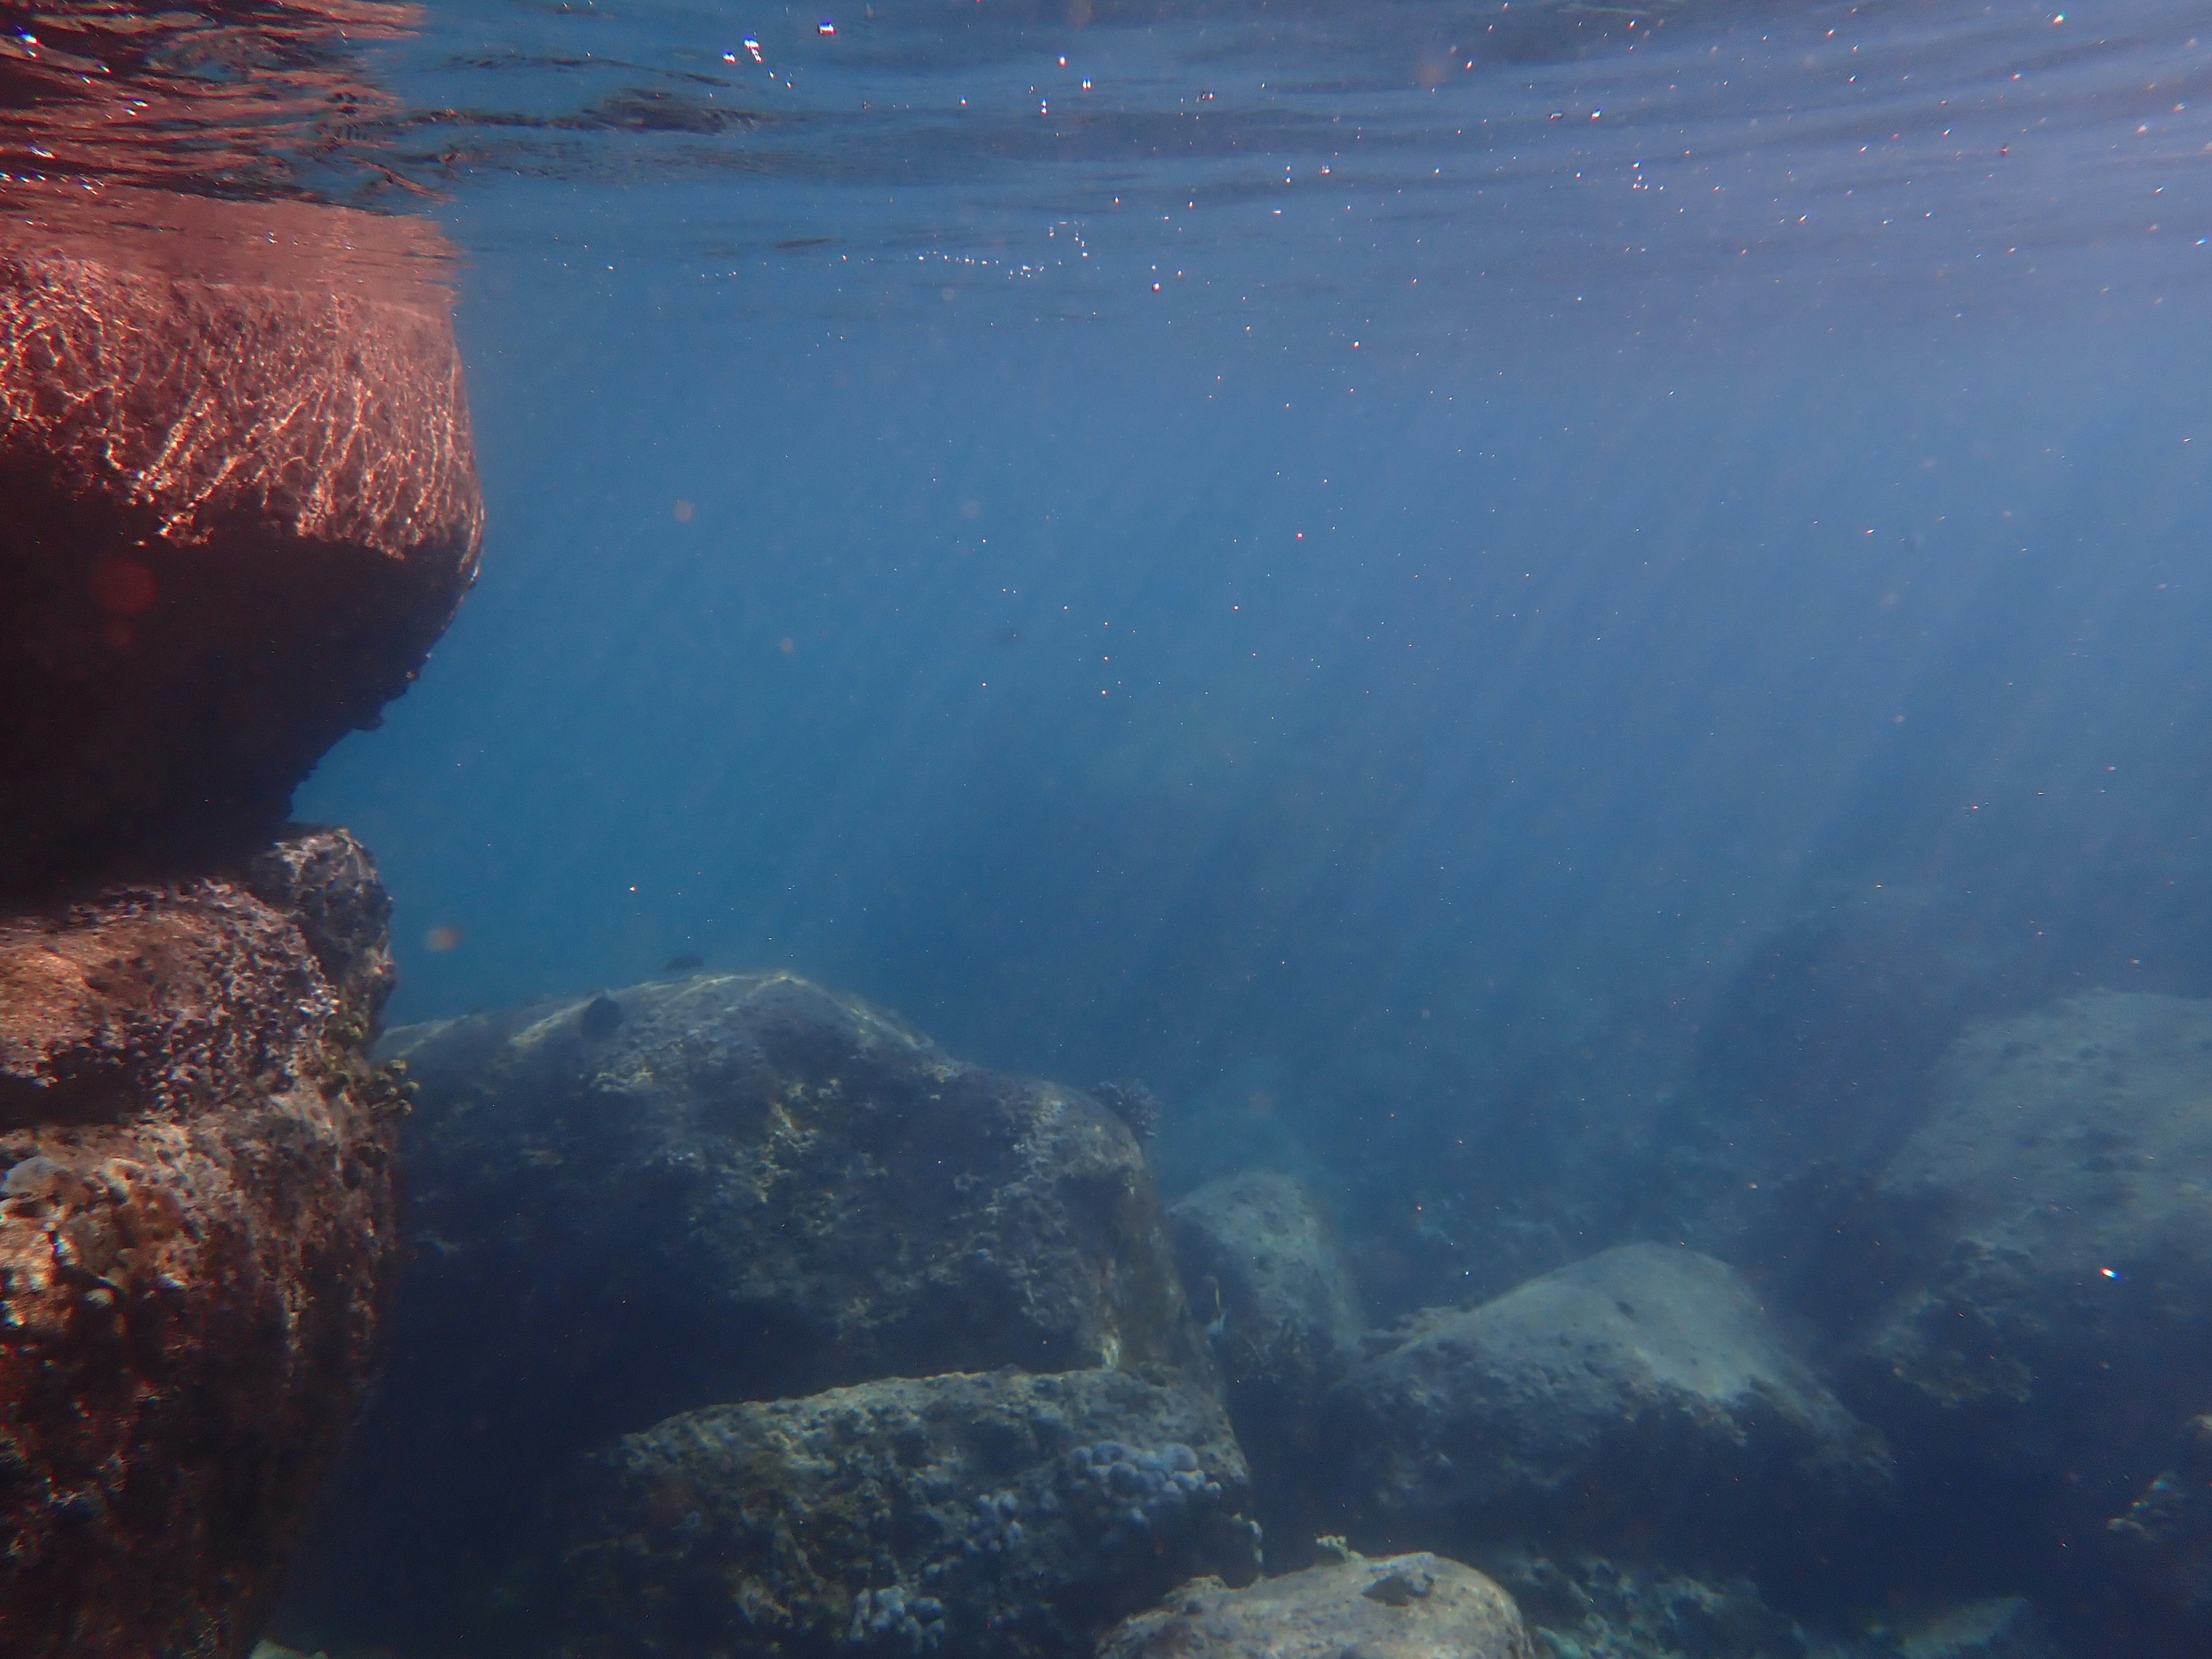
1401 572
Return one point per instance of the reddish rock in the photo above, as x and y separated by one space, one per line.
241 505
196 1230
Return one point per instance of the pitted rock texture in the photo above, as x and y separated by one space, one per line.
1268 1280
1004 1517
728 1188
196 1230
1641 1393
241 505
1402 1606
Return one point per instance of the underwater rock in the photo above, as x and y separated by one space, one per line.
241 505
1002 1516
1641 1392
2057 1319
746 1187
1580 1606
1403 1607
2001 1627
2164 1537
1267 1278
196 1230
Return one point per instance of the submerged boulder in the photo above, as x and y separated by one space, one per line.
196 1230
1267 1279
1582 1605
1003 1516
727 1188
1402 1606
2056 1327
242 503
1640 1394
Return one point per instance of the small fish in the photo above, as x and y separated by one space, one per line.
1217 1327
685 963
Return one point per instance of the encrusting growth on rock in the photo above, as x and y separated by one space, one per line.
196 1234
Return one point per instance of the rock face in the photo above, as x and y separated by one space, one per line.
1267 1279
2164 1538
197 1227
1640 1392
996 1516
241 504
2057 1330
730 1188
1404 1606
1581 1605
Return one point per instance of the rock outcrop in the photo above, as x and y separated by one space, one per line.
2055 1332
2164 1540
1006 1516
1581 1605
1269 1282
730 1188
196 1230
1642 1392
242 503
1404 1606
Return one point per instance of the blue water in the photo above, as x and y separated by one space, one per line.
1364 590
1525 611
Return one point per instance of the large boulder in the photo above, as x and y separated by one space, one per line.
1267 1277
242 503
1642 1394
196 1230
1404 1606
1002 1516
2055 1332
726 1187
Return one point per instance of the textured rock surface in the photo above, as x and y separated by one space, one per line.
241 504
723 1189
1267 1278
1639 1392
1266 1273
1404 1607
2002 1627
1000 1515
2058 1329
1580 1606
196 1234
2164 1538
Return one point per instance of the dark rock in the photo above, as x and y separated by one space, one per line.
600 1016
1406 1606
1581 1605
2058 1323
1000 1516
1267 1278
1134 1102
2165 1536
241 504
197 1232
748 1187
326 882
1640 1394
